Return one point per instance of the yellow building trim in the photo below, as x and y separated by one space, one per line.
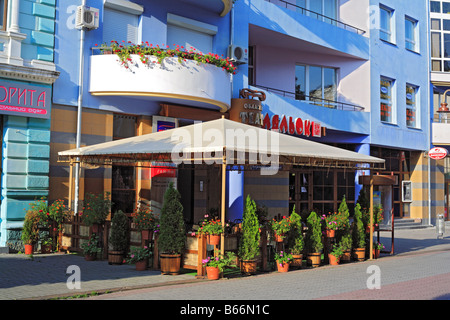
227 4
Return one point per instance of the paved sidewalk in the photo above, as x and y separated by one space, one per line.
44 276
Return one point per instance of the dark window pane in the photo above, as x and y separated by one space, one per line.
435 6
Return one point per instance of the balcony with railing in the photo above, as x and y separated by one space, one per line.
174 79
441 126
316 15
335 115
278 21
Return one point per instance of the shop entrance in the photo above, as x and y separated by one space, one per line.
321 190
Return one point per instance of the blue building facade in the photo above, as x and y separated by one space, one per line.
356 69
27 72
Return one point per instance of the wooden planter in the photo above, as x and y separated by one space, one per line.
115 257
314 259
297 260
347 256
46 248
248 266
359 254
170 263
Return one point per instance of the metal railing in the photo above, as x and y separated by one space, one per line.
318 16
314 100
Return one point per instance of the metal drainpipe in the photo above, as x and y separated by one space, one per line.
79 115
429 114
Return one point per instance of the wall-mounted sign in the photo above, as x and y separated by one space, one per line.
25 100
247 109
437 153
292 125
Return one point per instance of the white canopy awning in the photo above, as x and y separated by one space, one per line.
220 139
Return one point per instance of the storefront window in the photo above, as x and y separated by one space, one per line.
386 100
123 193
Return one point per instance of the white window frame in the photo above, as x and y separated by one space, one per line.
391 31
391 101
415 107
413 42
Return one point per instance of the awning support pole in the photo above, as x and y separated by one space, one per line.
224 175
371 216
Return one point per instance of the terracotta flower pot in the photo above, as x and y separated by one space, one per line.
95 228
330 233
376 253
90 257
214 239
282 267
314 259
212 273
333 260
279 237
28 249
141 265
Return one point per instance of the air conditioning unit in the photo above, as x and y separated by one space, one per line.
87 17
237 54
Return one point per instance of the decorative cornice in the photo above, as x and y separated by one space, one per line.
26 73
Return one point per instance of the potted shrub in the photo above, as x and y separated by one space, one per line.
280 228
95 210
91 248
172 233
296 241
30 231
314 240
377 247
46 244
118 238
145 222
330 224
346 245
359 236
335 254
212 228
283 261
139 257
249 241
216 265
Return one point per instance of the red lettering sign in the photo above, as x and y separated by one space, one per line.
297 126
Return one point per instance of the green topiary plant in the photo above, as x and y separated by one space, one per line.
249 242
119 231
30 230
314 234
172 234
358 232
296 241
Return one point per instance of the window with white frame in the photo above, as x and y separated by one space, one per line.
386 100
411 34
386 30
316 84
411 106
440 41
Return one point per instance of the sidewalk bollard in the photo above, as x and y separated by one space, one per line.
440 226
